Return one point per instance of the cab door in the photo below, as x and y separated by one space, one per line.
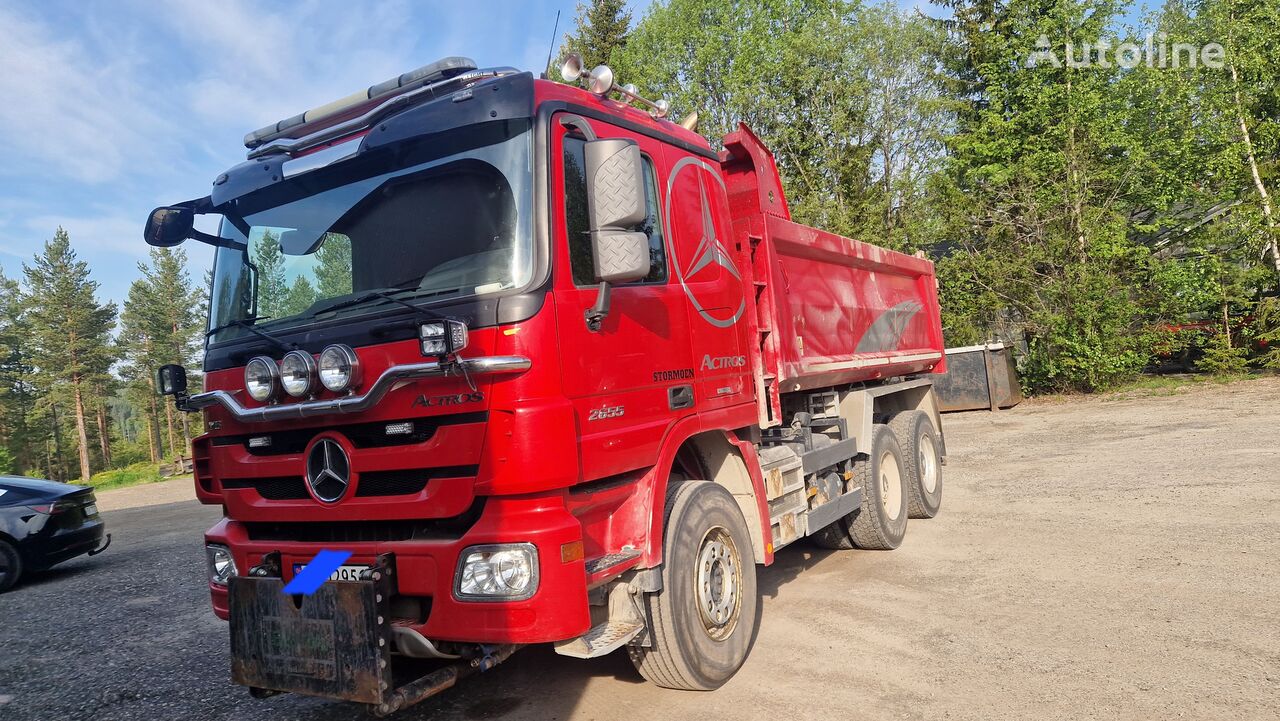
632 379
708 266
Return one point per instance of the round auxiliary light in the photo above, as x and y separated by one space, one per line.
297 369
261 377
339 368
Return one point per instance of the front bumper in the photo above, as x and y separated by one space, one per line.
425 569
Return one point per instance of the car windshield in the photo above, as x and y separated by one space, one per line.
449 218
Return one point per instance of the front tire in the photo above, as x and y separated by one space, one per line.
922 461
10 566
703 622
881 523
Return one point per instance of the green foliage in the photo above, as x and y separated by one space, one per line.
600 33
133 475
7 463
1223 359
1266 333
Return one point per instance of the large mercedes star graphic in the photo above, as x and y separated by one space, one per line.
710 250
328 470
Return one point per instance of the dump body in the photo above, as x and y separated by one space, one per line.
825 310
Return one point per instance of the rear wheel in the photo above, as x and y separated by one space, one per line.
881 522
922 461
704 620
10 566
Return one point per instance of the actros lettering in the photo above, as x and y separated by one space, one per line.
721 362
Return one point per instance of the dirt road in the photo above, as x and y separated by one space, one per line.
1096 558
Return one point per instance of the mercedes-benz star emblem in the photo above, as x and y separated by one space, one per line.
328 470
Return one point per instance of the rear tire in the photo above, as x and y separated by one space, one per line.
704 621
881 523
10 566
921 460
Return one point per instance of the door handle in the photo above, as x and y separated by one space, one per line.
680 397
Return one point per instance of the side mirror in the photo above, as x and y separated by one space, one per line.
615 191
171 380
169 226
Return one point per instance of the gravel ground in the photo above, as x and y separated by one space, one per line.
1095 558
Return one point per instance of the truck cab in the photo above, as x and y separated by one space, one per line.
532 357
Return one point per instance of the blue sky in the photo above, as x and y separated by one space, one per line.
110 108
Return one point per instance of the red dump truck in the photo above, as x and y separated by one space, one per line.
550 369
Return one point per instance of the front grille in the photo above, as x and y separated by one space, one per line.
361 435
442 529
403 483
372 484
288 488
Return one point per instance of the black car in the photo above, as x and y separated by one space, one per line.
43 523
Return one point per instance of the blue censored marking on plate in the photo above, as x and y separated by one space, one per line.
316 572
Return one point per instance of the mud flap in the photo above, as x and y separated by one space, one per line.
335 643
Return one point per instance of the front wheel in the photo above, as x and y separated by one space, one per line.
703 622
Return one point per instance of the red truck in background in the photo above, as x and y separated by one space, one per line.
550 369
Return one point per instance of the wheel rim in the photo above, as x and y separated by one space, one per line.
890 484
719 583
928 464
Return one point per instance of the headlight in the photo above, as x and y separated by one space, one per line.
442 337
260 376
296 371
222 566
503 572
339 368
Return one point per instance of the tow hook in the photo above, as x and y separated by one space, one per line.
101 548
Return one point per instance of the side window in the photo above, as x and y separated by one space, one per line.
575 215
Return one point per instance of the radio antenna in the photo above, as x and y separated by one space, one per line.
546 69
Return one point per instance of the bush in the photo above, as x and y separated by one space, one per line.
6 462
1222 359
127 476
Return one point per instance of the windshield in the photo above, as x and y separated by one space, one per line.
448 219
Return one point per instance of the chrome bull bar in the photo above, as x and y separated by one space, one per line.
488 365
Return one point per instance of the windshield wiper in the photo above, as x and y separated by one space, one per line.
384 295
247 324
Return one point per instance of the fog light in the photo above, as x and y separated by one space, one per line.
260 379
502 572
296 371
339 368
222 566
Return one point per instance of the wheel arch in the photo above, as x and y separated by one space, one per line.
724 458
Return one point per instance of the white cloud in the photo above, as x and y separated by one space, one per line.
66 109
258 67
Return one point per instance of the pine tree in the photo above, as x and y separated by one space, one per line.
300 297
333 269
272 285
70 334
18 441
161 325
601 33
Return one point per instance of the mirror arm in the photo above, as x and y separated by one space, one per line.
216 241
597 313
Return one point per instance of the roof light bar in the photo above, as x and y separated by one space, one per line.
442 69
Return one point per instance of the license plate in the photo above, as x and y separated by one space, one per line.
91 509
344 573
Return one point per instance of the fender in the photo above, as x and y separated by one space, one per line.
722 420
